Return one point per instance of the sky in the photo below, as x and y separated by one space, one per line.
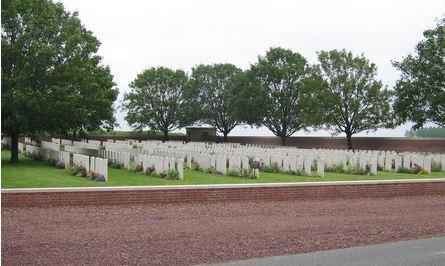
180 34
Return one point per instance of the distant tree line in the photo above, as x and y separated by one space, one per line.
431 132
53 82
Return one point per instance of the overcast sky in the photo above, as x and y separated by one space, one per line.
180 34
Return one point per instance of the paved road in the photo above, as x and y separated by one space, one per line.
429 251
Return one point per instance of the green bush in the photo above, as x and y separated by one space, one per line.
150 170
415 169
247 174
436 166
233 173
271 169
355 169
172 174
115 165
195 167
77 170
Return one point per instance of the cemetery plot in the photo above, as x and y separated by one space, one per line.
227 162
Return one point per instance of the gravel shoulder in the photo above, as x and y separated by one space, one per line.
211 232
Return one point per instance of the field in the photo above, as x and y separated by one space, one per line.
33 174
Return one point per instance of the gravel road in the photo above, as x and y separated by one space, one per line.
214 232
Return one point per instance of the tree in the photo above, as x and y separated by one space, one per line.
350 99
156 100
420 91
212 91
275 95
52 79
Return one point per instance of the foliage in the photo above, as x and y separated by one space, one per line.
334 169
350 99
273 93
76 170
132 167
234 173
273 168
50 71
156 100
195 167
355 169
149 170
172 174
436 166
115 165
420 91
211 93
430 132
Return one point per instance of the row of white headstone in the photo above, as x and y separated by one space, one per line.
96 165
50 151
160 165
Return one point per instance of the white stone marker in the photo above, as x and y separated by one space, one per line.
181 169
388 162
373 170
427 163
245 165
397 163
307 166
221 165
320 167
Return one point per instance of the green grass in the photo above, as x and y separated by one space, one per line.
33 174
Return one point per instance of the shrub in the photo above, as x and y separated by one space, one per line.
233 173
77 170
355 169
415 169
132 166
172 174
248 174
115 165
436 166
60 165
150 170
423 171
195 167
271 169
334 168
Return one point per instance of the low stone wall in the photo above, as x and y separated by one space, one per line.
218 193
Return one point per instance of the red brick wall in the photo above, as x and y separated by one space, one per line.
211 194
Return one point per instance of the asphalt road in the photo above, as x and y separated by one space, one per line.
429 251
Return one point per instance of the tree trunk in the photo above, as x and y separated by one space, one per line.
349 141
225 136
14 148
165 136
283 140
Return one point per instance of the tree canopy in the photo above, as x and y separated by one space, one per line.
52 77
156 100
274 93
420 91
349 97
213 88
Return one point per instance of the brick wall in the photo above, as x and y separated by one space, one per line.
97 196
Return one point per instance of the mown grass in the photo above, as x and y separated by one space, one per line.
33 174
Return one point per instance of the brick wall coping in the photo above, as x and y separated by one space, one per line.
222 186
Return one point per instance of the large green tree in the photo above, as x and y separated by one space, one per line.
52 79
156 100
420 91
274 94
350 98
212 91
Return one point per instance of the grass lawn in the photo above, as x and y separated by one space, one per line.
33 174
